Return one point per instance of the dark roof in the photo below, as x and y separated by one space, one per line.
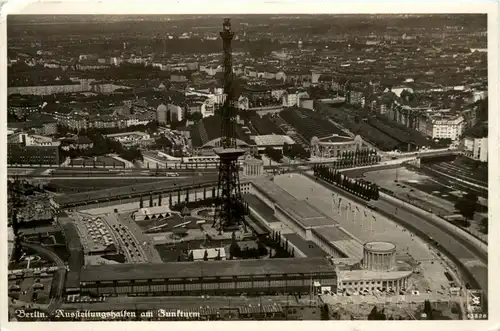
226 268
332 233
264 125
325 78
309 123
83 140
209 128
260 309
309 248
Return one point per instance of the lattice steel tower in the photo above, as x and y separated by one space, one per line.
230 207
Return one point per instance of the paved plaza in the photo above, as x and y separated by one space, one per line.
365 224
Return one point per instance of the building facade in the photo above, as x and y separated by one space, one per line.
230 277
32 150
334 146
446 128
476 148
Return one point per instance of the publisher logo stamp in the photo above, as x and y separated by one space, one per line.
475 305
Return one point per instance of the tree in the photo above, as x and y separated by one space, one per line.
467 205
273 154
377 315
484 225
428 310
373 314
159 199
150 200
325 312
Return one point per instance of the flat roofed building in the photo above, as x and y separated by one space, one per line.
32 150
230 277
128 138
272 140
308 222
338 238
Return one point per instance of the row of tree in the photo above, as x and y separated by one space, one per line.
359 153
274 154
364 189
358 161
282 249
151 203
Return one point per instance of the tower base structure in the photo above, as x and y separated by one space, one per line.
230 210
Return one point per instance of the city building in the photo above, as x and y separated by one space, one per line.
476 148
272 140
33 150
334 146
206 134
229 277
131 138
176 112
366 280
79 143
162 114
292 97
442 127
152 212
252 167
208 108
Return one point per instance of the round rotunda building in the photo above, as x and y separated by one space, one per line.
379 256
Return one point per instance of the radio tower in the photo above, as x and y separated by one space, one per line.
230 207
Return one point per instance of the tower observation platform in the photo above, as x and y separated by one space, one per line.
231 209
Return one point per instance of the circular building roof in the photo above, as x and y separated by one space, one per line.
380 246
